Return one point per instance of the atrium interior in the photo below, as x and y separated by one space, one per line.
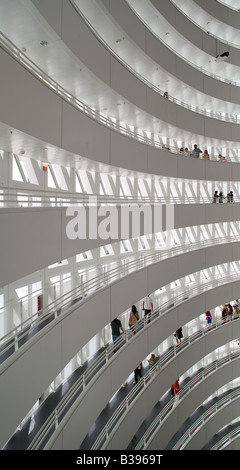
119 180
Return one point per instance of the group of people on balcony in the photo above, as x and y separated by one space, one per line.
218 197
196 152
221 158
230 312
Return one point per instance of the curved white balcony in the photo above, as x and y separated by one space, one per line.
22 197
76 132
191 18
89 374
168 413
228 404
224 10
148 11
228 441
48 227
208 290
25 331
167 58
164 127
123 434
106 435
148 71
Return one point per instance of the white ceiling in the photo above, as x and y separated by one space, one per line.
21 22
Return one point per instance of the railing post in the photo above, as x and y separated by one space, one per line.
16 342
56 419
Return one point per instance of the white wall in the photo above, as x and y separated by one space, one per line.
32 238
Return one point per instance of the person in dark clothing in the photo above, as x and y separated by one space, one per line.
178 335
116 326
137 373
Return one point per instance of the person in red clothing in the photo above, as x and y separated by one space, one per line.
208 318
176 387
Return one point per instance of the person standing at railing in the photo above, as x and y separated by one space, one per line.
230 312
215 197
236 309
221 197
196 151
116 326
147 307
206 155
224 313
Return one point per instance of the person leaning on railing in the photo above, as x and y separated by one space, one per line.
196 151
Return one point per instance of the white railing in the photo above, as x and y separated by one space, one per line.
113 423
85 381
18 196
205 417
140 136
227 439
201 25
213 114
18 336
194 382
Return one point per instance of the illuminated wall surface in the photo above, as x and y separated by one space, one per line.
119 179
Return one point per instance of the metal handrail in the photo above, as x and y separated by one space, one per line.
18 196
165 412
113 422
227 439
152 256
18 55
55 417
34 322
228 5
202 28
185 439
